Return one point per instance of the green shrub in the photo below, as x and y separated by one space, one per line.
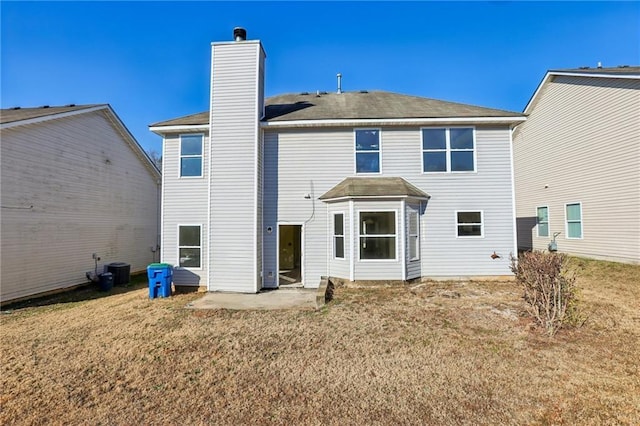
549 289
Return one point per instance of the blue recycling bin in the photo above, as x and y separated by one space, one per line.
160 276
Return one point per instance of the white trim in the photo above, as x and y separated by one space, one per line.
395 236
190 156
514 224
333 235
52 116
374 197
255 175
466 237
189 268
548 222
355 152
162 253
209 129
161 130
566 222
390 121
352 258
448 150
403 238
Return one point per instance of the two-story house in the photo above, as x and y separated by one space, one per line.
577 162
352 185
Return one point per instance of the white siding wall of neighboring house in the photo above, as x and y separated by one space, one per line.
234 178
581 143
312 161
71 187
184 203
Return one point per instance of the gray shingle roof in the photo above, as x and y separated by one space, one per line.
622 70
11 115
354 187
355 105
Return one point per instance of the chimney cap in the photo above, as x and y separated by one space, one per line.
239 34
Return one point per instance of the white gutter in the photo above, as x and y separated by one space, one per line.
389 121
375 197
160 130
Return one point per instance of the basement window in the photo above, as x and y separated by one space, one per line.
189 246
367 150
191 155
378 235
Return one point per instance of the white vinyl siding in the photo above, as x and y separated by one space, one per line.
72 187
235 176
542 219
296 164
184 201
573 218
580 143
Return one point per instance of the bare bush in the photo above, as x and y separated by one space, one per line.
549 289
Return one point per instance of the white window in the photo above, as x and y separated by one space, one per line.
543 221
191 155
338 235
378 235
367 147
448 149
469 224
573 215
414 235
189 246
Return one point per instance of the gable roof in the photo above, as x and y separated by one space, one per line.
366 187
622 72
12 115
375 105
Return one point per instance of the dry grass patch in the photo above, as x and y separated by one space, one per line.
442 353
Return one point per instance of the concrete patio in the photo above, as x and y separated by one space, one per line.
282 298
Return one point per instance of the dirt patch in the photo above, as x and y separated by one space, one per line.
439 353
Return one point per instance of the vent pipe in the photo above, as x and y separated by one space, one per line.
599 64
339 83
239 34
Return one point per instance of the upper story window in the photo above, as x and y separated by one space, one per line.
543 221
469 224
448 149
378 235
191 155
573 214
367 150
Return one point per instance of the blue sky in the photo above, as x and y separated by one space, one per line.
150 60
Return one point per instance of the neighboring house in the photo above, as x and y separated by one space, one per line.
577 164
74 182
349 185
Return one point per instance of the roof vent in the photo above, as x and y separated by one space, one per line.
304 93
364 91
339 83
16 107
584 68
44 106
239 34
71 105
599 64
623 66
